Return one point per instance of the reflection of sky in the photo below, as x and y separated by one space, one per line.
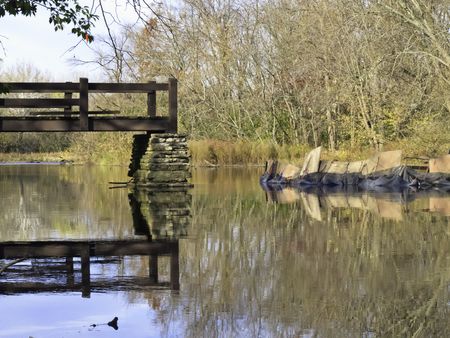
70 315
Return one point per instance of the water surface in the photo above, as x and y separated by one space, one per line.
251 263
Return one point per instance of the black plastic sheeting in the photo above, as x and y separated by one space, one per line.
392 179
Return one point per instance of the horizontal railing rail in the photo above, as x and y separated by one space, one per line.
42 121
38 103
93 87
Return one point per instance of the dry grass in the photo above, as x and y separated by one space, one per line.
40 157
116 149
215 152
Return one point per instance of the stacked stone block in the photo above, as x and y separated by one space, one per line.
164 164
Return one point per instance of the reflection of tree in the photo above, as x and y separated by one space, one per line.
271 270
255 268
62 201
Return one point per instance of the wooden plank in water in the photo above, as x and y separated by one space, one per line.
38 103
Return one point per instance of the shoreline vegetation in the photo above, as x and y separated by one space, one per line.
272 79
111 150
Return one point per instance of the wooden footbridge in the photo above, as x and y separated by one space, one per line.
69 111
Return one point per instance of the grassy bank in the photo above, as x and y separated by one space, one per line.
116 149
213 152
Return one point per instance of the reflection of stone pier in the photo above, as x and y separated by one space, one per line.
161 214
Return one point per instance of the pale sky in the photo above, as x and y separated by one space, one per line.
32 40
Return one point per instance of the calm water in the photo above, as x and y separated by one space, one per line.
249 264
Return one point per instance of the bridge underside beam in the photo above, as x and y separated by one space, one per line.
96 123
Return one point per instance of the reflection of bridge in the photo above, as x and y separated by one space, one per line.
86 250
160 218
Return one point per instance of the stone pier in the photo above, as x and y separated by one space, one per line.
160 161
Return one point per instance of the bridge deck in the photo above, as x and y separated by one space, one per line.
72 123
60 115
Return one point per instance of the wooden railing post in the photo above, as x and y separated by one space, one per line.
151 101
173 105
84 104
67 96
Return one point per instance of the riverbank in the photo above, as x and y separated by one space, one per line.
213 153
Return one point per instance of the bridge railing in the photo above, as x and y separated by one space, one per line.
83 89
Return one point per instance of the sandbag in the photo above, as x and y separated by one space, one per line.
439 165
311 162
